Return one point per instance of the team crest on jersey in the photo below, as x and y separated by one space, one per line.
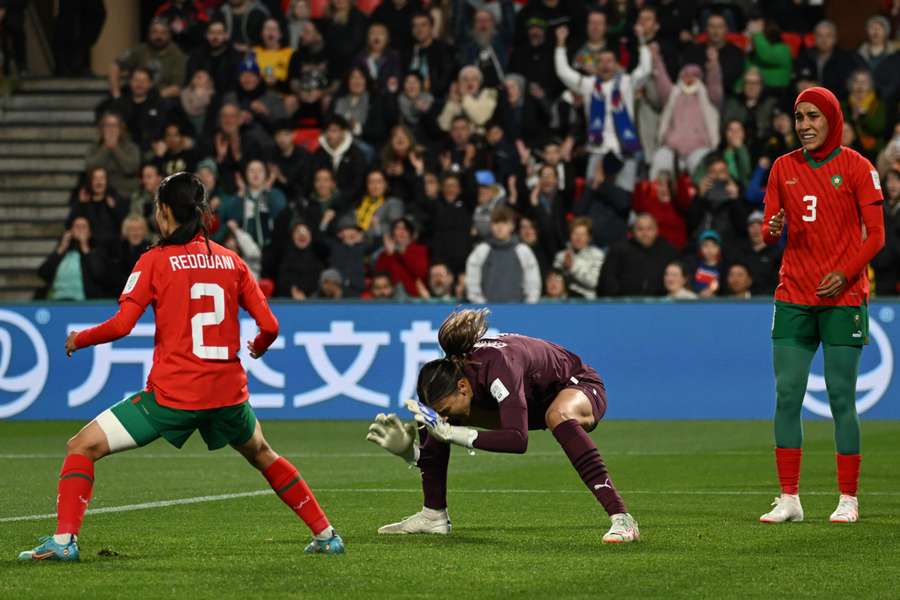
836 181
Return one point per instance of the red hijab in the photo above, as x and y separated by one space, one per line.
830 108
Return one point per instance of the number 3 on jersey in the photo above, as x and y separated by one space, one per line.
811 202
201 320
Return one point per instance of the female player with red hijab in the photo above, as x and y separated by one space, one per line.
829 197
507 385
197 381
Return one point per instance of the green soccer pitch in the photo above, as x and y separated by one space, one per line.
524 526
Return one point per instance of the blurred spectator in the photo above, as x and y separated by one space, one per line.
375 210
606 204
142 200
502 269
134 242
403 258
241 243
72 44
258 104
383 289
414 105
555 286
708 266
751 107
879 54
235 144
528 235
890 156
830 65
301 265
581 261
365 110
115 153
451 218
347 254
689 125
187 19
396 16
77 269
734 151
460 153
717 205
12 34
430 58
887 263
196 108
331 285
740 281
298 15
770 55
440 284
849 138
163 59
547 209
783 138
489 197
140 106
175 152
488 44
219 200
469 99
524 115
553 13
243 22
309 74
866 113
718 53
290 163
403 163
273 57
635 267
648 17
764 261
675 281
345 34
587 58
217 57
380 62
100 205
257 204
661 199
338 154
324 199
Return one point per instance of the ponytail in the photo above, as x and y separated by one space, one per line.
185 195
457 337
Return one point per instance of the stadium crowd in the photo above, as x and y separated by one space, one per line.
476 150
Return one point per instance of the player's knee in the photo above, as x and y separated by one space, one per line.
558 414
79 444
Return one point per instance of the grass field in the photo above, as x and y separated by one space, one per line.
524 526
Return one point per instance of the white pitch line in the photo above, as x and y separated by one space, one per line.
220 497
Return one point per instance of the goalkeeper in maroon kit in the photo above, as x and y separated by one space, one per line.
506 385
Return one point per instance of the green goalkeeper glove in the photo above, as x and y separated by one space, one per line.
398 438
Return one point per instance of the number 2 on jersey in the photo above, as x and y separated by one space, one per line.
811 202
201 320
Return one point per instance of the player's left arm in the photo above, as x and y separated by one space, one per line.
512 437
867 190
135 297
254 302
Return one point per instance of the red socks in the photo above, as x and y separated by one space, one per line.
788 462
848 473
76 481
293 491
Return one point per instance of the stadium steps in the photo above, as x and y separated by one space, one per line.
45 130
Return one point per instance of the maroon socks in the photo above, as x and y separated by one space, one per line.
583 454
434 458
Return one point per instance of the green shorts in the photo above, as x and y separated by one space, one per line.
145 420
832 325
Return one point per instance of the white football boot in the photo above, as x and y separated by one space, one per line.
624 529
847 510
787 508
424 521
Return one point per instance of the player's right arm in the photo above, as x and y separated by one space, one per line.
774 216
254 302
137 294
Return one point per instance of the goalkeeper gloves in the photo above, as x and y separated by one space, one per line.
389 432
439 428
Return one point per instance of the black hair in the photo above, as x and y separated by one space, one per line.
143 70
337 120
185 195
457 337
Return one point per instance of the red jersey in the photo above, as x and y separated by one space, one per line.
823 204
195 297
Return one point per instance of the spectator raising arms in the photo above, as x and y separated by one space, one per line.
77 269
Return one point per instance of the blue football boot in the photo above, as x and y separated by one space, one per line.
50 550
333 545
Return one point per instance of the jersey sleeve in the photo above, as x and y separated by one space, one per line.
772 201
506 386
139 286
866 183
254 302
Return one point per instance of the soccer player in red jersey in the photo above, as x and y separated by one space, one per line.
197 382
507 385
830 199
